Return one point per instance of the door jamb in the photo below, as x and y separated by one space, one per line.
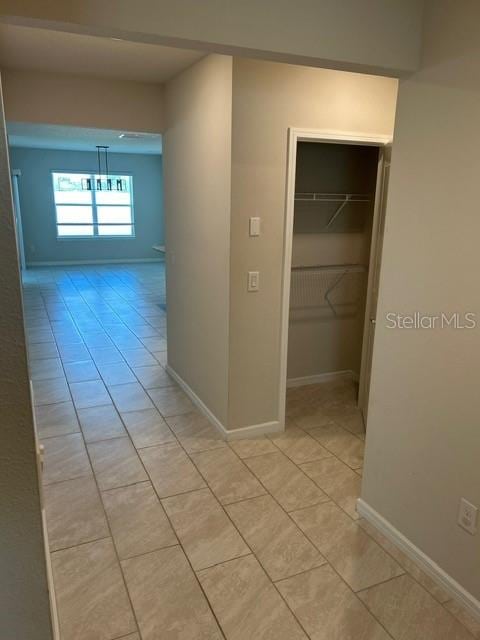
296 135
376 249
15 175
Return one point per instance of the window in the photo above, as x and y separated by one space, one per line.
92 214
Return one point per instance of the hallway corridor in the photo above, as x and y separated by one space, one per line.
158 529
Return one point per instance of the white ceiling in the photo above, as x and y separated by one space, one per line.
57 51
47 136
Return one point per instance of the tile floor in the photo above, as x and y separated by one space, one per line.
159 529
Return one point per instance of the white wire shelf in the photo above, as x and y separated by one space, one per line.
332 197
339 287
313 201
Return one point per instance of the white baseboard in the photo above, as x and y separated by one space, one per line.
254 430
451 586
318 378
46 545
229 434
72 263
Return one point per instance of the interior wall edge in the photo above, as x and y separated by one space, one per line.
24 591
197 225
227 434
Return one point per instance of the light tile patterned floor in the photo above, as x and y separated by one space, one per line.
161 530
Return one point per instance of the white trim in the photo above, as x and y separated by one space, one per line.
294 136
51 585
46 545
376 248
339 137
229 434
196 400
66 263
255 430
17 210
427 565
318 378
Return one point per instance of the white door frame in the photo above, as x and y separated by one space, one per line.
15 175
296 135
376 249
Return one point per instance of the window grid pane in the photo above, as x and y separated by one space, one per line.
115 230
66 230
92 214
74 214
67 189
114 215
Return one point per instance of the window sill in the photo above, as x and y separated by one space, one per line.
93 238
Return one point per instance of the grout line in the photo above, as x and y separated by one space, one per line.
247 553
58 435
99 495
180 542
122 323
146 553
325 563
383 582
322 557
125 486
315 547
407 572
168 519
159 444
84 475
79 544
132 633
57 482
344 581
186 556
233 524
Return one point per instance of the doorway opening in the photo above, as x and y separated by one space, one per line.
336 188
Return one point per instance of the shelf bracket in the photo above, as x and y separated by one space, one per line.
331 288
337 212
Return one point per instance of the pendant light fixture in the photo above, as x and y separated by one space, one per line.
103 181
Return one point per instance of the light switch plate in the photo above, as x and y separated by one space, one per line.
254 227
253 281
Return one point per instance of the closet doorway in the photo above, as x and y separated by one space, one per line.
335 203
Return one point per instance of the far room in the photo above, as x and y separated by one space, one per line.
87 196
90 230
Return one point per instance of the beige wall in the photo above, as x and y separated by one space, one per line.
423 438
267 99
23 584
56 98
197 168
354 34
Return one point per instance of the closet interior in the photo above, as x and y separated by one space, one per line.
332 230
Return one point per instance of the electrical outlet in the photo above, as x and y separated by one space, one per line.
467 516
